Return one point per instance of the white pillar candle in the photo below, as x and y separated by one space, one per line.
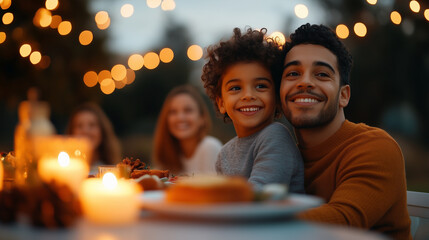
64 170
110 201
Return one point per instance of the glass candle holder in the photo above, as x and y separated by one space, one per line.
103 169
63 159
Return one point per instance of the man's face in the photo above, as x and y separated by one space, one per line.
310 89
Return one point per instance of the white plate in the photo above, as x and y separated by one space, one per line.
294 203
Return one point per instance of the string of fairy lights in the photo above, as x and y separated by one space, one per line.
121 75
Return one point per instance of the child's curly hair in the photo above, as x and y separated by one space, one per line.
253 46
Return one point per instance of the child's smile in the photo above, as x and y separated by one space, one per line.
248 97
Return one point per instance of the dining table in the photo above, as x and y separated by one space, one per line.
155 226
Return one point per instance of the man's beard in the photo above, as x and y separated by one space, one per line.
323 118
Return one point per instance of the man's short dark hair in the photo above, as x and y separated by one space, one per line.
326 37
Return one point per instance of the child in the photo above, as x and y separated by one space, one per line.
239 78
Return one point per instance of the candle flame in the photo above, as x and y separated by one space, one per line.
63 159
110 181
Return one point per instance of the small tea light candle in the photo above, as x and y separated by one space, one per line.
110 201
64 170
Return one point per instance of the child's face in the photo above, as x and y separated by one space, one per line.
184 118
248 97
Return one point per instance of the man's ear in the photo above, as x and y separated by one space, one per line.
344 96
220 105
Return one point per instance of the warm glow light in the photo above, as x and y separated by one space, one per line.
64 28
5 4
90 78
395 17
195 52
35 57
102 17
121 84
7 18
342 31
2 37
85 37
166 55
278 38
153 3
105 25
301 11
372 2
43 17
63 159
25 50
56 20
427 14
127 10
131 76
51 4
415 6
119 72
151 60
168 5
104 74
110 181
107 86
135 62
360 29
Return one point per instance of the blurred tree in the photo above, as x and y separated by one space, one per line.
60 81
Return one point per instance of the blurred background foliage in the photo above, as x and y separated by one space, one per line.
390 77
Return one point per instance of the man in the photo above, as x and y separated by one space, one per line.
357 169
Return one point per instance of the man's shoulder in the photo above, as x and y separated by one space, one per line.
364 133
366 140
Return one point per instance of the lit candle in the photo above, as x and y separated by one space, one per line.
110 201
64 170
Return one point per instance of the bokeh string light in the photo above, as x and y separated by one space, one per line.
301 11
2 37
342 31
414 6
195 52
51 4
7 18
166 55
395 17
85 37
127 10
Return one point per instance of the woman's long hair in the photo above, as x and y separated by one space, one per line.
167 152
109 150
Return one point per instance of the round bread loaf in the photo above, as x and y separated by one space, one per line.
210 189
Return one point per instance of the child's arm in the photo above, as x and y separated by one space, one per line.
277 159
